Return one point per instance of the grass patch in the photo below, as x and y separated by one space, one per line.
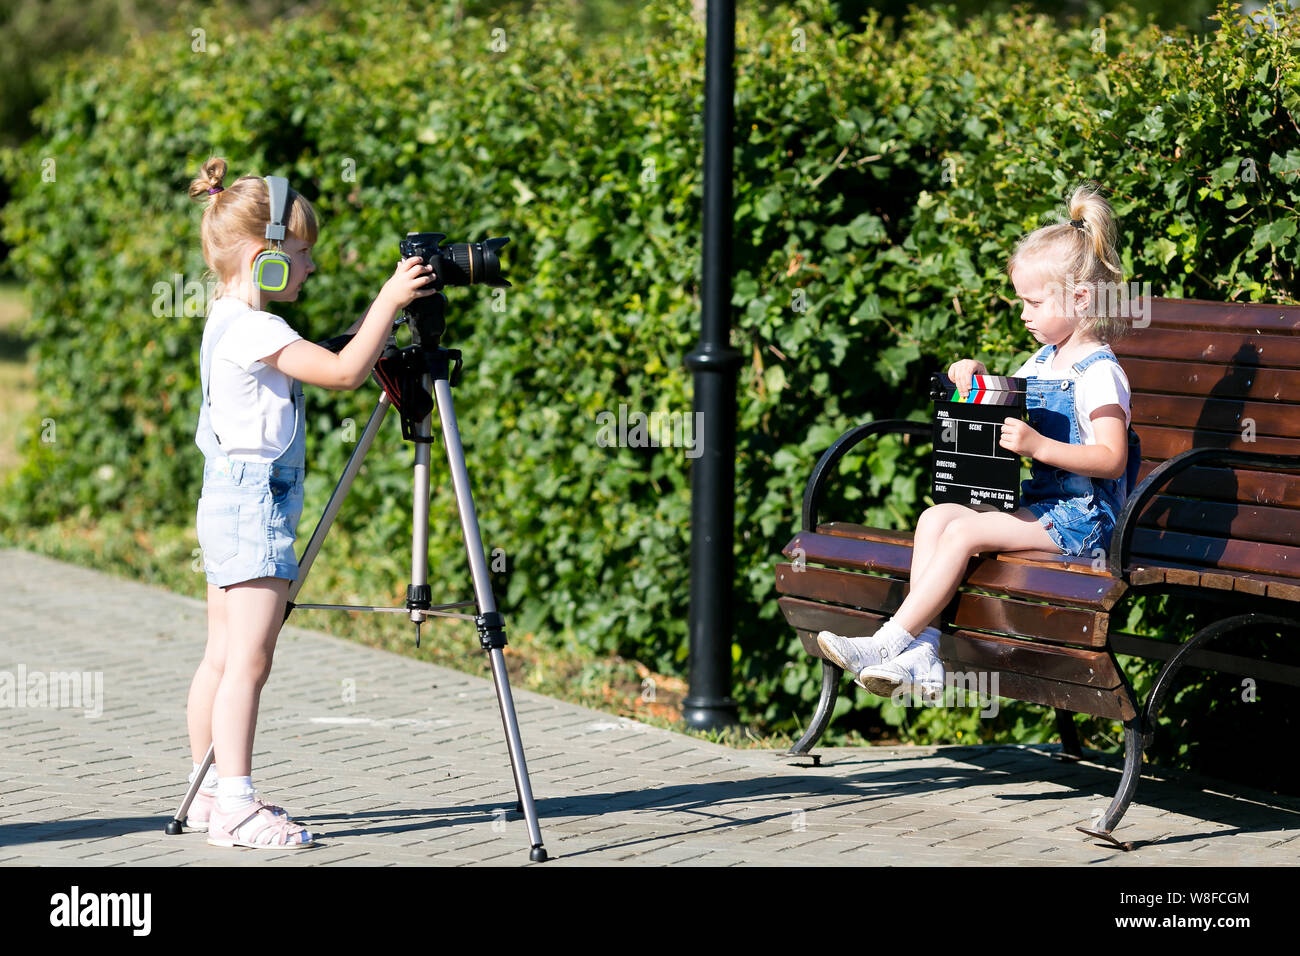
17 375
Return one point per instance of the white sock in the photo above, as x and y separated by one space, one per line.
234 793
209 779
930 636
894 637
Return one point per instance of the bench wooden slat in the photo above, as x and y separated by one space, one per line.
1176 547
1224 484
966 651
1284 589
1144 571
1228 415
1069 664
809 617
1212 347
1038 558
1258 317
1056 625
990 574
1244 522
1082 681
868 591
1112 703
1221 381
983 612
1162 443
1075 698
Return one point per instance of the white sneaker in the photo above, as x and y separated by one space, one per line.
855 653
917 670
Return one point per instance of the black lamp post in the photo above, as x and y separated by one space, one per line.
714 364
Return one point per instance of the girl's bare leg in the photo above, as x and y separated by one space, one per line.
254 613
961 538
925 541
203 689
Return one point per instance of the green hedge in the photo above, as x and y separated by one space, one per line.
883 176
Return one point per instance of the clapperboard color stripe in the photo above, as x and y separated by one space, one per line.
969 465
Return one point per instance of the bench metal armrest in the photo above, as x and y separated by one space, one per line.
841 447
1122 538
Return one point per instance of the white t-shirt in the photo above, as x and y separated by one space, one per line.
252 409
1102 383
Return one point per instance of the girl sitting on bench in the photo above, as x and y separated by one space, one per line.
1077 399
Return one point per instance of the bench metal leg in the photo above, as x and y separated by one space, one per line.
1069 735
1134 741
1139 730
822 718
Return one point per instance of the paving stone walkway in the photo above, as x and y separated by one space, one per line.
415 771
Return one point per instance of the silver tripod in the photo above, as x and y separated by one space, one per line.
431 367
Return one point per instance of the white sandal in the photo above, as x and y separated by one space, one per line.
256 827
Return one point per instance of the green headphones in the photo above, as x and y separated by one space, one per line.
271 268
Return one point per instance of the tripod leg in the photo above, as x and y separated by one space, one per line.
336 499
487 610
175 825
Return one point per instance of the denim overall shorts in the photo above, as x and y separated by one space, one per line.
248 512
1078 512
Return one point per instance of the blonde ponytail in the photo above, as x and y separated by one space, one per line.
1083 252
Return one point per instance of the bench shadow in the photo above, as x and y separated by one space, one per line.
787 793
1212 431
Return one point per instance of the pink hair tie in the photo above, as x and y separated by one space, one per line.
215 189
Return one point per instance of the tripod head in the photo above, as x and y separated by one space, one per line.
426 317
401 371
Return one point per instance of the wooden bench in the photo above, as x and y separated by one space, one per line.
1216 403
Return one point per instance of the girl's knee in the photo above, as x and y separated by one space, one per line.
939 515
215 663
962 534
249 667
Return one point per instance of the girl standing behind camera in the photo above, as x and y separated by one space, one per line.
251 433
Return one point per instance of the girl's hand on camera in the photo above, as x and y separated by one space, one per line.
961 371
1017 436
408 283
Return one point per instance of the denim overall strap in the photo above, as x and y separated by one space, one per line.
1049 403
295 454
1122 488
204 436
1044 354
1100 355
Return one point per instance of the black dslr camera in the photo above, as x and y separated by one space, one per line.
461 263
400 371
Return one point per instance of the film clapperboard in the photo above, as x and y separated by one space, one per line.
969 466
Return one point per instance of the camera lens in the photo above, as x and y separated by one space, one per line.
476 262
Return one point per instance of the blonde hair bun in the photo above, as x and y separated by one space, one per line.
209 178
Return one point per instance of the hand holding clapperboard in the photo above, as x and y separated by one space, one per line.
969 466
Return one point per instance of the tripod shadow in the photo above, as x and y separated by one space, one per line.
81 828
101 828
